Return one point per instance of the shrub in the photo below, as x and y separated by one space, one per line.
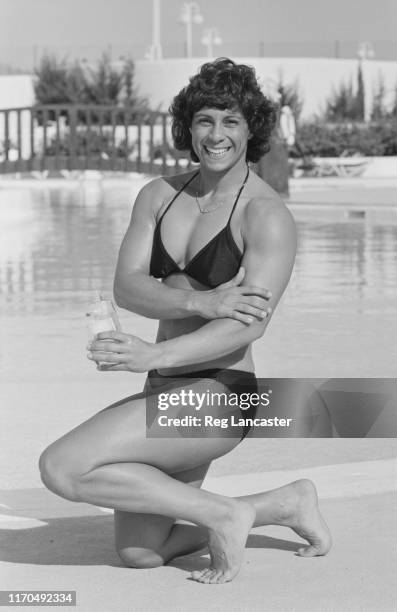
346 102
378 100
50 86
91 143
103 84
333 140
393 112
58 82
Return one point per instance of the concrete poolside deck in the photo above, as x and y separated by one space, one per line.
51 544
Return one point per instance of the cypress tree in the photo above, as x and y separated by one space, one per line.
360 96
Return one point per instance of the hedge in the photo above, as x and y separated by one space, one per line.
333 140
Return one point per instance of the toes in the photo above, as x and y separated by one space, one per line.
196 575
202 576
207 577
309 551
215 577
223 577
211 576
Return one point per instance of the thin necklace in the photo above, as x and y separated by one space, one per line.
217 205
207 210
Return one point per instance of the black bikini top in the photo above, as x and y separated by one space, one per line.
216 263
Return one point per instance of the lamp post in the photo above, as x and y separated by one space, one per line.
190 14
155 51
209 39
365 52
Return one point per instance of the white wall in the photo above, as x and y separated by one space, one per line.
160 81
16 90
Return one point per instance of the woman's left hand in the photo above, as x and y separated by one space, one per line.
114 350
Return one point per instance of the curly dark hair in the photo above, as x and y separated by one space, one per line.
226 85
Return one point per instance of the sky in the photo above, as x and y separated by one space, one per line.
242 24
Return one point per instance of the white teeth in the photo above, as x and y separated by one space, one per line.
216 152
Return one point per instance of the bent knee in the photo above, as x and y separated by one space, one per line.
55 474
140 558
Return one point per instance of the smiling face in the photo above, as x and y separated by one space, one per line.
219 137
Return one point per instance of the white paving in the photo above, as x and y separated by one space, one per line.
332 481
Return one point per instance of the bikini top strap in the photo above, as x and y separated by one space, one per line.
239 193
177 194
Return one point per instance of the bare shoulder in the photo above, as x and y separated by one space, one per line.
168 184
157 192
178 181
155 187
267 215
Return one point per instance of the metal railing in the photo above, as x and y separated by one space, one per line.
87 137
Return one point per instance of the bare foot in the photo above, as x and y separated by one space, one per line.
307 522
226 545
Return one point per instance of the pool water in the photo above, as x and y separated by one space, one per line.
59 243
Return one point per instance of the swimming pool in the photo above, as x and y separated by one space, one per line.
60 242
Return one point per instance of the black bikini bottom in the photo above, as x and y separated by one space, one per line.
235 381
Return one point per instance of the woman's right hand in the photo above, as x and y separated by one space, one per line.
234 301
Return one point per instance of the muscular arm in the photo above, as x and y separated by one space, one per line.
270 247
134 288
